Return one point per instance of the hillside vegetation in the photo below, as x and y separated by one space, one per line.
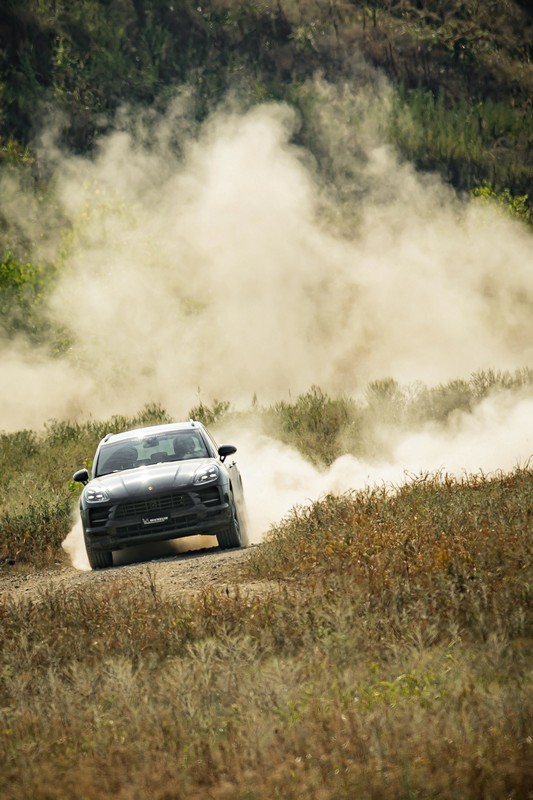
461 78
391 658
462 70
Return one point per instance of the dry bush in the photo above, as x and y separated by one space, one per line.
446 550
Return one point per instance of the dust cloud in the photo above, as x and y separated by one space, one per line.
222 270
222 261
74 546
496 437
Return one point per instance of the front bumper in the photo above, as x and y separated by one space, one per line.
114 526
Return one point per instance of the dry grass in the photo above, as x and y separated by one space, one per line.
393 661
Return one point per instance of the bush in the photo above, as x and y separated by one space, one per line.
312 424
34 532
323 428
23 288
436 549
209 415
517 207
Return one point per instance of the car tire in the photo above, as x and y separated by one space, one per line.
231 536
99 559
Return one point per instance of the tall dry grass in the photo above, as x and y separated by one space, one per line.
392 660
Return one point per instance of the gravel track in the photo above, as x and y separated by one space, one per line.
173 575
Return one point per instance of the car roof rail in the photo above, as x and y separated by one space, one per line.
107 436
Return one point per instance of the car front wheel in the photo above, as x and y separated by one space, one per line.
99 559
231 536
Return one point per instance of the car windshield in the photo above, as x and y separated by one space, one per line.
154 449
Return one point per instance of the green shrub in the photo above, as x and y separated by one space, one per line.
23 288
516 207
209 415
15 154
312 424
33 533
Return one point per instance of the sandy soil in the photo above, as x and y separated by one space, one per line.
174 575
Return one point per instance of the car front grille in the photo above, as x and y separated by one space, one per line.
167 503
208 497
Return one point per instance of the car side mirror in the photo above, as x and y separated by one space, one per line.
81 476
226 450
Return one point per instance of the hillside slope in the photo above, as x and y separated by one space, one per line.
463 70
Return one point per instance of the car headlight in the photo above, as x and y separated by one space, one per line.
96 494
206 475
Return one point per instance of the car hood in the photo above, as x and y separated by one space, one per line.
154 479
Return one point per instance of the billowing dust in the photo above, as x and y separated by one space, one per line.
219 261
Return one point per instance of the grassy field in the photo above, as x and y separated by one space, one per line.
392 658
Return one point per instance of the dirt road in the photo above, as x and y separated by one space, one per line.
174 575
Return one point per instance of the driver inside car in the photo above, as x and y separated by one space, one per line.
187 447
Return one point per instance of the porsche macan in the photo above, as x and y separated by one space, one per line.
158 483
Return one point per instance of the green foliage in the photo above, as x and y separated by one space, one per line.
92 57
14 154
23 290
464 86
312 423
437 404
209 415
516 207
470 144
38 526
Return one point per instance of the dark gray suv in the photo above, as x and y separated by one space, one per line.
156 483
